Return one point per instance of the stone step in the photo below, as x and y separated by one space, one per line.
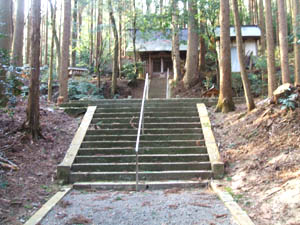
147 109
143 158
142 186
147 114
144 166
160 131
143 176
146 125
110 144
146 120
154 137
145 150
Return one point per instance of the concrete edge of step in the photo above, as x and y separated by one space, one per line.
37 217
212 149
240 216
64 168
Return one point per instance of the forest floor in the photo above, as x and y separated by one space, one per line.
262 159
26 188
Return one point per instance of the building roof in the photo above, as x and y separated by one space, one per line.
247 31
157 41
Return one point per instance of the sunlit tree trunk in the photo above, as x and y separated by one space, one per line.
262 26
120 36
134 36
19 35
175 41
65 55
5 40
115 71
50 78
193 43
92 34
283 41
32 123
99 40
296 28
74 33
225 101
270 49
28 36
241 55
46 38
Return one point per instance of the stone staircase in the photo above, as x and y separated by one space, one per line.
172 150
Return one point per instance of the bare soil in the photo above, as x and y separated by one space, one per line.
25 188
262 157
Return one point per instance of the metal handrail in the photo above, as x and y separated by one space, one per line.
167 89
141 127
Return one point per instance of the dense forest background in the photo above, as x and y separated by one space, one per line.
41 39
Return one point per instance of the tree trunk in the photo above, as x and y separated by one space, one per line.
225 101
19 35
50 78
296 25
262 26
241 55
148 4
202 48
283 41
134 37
74 33
28 36
92 34
46 38
193 43
175 41
63 77
56 40
99 41
115 71
270 49
5 41
33 107
120 37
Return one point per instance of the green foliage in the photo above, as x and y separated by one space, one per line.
84 90
289 102
128 70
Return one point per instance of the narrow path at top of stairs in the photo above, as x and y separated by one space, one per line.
158 87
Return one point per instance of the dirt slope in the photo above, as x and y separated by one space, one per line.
262 154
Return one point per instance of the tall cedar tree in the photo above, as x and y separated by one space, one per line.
50 78
19 35
46 36
32 123
270 49
134 37
5 40
116 49
65 55
262 26
74 33
193 43
28 34
225 101
283 41
296 28
175 41
99 46
92 34
241 55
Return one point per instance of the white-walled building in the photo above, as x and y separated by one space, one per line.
251 35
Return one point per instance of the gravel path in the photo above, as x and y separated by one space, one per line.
162 207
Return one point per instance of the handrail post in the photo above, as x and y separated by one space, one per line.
167 89
141 127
